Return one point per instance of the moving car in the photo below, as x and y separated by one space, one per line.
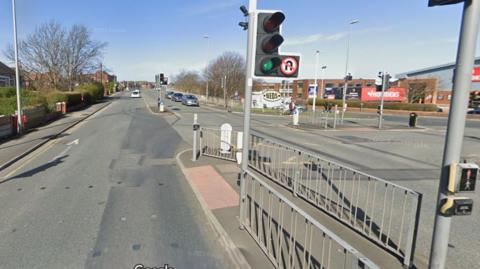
177 97
169 94
190 100
135 94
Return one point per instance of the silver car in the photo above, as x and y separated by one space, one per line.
190 100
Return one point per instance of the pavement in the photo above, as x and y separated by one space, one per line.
106 194
408 157
17 147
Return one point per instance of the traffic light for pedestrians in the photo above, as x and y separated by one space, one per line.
268 60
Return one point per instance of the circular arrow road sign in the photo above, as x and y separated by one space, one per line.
289 66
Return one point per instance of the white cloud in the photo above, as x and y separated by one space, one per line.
331 37
216 6
314 38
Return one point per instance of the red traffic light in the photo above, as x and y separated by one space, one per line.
272 43
272 23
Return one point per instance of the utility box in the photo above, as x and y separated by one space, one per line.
456 206
462 177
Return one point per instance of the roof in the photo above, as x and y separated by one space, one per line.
432 69
5 70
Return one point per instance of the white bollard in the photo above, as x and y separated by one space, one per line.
295 117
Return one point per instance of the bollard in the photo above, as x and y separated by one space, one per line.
196 126
295 117
162 106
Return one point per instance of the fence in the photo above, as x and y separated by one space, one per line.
288 236
218 143
382 211
6 127
318 119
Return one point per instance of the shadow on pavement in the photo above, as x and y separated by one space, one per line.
38 169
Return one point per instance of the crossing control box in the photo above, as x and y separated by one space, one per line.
462 177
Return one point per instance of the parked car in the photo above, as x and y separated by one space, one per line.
135 94
169 94
474 111
177 97
190 100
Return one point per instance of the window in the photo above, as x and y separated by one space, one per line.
369 84
440 97
300 85
358 85
299 95
329 85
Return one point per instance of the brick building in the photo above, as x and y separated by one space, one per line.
7 75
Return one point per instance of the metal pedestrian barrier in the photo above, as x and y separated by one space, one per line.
318 119
384 212
219 144
290 237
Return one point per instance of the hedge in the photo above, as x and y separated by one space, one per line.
91 92
8 102
374 105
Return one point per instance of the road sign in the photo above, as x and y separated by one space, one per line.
289 66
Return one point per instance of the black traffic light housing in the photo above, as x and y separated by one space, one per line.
268 60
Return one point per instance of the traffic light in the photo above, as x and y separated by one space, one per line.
383 79
268 60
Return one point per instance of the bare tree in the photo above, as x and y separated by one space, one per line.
230 66
52 53
188 81
82 54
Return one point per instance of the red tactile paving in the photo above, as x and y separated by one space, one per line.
212 186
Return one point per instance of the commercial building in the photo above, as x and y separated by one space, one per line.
436 83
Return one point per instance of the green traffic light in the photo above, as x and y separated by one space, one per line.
267 66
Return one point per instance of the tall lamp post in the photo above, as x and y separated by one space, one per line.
206 68
344 95
317 53
17 71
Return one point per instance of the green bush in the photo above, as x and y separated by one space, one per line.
374 105
95 90
53 98
8 102
7 92
73 98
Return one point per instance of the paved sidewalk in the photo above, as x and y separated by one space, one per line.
209 176
216 182
16 148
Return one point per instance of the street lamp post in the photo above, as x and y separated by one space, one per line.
316 81
344 95
206 68
17 71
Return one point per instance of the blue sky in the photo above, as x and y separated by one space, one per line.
152 36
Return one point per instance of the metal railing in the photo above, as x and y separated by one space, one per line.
290 237
318 119
215 144
382 211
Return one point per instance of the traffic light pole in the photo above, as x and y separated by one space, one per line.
252 24
456 125
380 116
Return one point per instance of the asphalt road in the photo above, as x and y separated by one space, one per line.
107 194
409 157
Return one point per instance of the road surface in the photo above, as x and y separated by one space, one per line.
107 194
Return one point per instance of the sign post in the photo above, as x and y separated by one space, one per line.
456 125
